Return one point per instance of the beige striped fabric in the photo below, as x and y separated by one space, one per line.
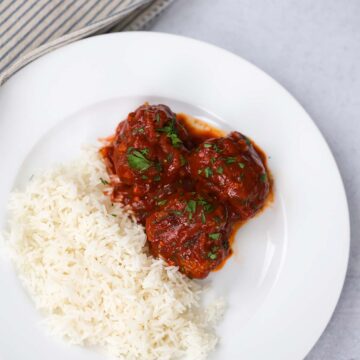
31 28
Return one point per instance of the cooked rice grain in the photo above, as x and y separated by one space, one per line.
86 267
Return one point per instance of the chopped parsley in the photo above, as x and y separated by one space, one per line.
247 140
212 160
220 170
138 131
207 206
138 161
263 177
157 117
161 202
203 218
208 172
214 236
191 206
171 133
206 145
104 182
114 215
144 177
230 159
176 212
175 140
217 149
212 256
242 165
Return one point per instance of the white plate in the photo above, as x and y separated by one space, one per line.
285 278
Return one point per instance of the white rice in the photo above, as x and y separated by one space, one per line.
86 267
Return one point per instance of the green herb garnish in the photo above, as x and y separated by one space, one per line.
214 236
104 182
220 170
206 145
138 131
114 215
263 177
175 140
157 118
191 206
138 161
242 165
212 256
144 177
170 131
161 202
208 172
207 206
217 149
247 140
230 159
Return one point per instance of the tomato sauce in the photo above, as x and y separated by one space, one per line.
188 183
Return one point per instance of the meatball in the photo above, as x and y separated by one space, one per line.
231 169
189 231
146 153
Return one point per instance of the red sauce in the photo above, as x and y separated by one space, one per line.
198 130
188 183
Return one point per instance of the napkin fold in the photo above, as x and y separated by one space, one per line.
31 28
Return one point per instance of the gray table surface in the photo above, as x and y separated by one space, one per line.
312 47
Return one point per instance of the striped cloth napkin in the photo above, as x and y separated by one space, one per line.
31 28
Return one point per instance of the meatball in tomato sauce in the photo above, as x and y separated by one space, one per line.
188 187
146 154
190 231
230 169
